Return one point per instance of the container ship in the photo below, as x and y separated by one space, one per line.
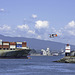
14 49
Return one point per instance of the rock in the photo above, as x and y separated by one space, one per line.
67 59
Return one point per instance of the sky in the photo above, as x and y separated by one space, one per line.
38 18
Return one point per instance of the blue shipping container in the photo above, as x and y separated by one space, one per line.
19 45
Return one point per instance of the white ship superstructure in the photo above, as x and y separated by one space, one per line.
45 52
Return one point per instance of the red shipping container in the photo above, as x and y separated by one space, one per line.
24 44
5 46
12 43
5 42
0 46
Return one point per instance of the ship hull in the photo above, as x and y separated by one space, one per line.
14 53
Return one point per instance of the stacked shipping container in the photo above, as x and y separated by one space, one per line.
12 45
19 44
24 45
6 45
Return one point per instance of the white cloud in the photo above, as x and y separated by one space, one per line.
41 24
38 37
23 27
5 27
18 35
31 32
70 28
71 32
58 32
53 30
70 25
2 10
34 16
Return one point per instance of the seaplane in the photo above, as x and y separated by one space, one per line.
52 35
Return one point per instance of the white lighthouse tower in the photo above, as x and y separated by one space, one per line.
67 50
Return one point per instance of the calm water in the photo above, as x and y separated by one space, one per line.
39 65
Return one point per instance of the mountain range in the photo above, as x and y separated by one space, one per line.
37 44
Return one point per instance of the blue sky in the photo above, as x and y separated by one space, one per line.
38 18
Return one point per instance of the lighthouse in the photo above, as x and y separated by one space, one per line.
67 50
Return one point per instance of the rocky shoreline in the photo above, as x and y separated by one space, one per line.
67 59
